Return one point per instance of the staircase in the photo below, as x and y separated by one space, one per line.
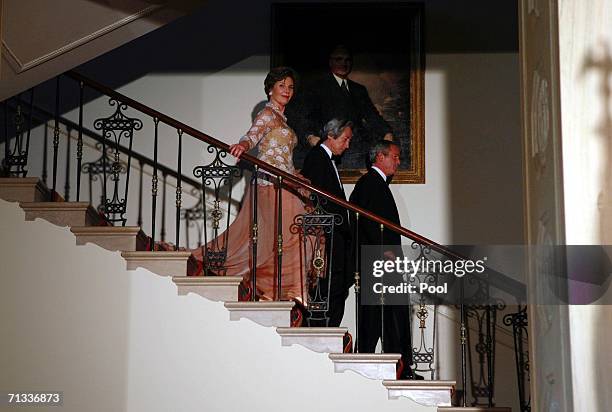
256 362
171 265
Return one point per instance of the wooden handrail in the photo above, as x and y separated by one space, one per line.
508 284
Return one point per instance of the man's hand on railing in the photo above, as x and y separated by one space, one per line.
238 149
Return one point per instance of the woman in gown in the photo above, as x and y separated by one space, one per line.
275 141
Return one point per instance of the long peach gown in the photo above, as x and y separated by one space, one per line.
276 142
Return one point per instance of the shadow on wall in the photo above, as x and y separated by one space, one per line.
483 106
599 60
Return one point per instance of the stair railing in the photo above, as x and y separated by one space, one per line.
219 175
91 170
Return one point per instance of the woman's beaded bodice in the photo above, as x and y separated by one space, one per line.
275 138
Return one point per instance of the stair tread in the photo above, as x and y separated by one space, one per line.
106 230
206 280
17 180
413 384
265 305
23 189
166 254
474 409
306 331
55 205
365 357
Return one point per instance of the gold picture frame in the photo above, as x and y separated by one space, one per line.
389 60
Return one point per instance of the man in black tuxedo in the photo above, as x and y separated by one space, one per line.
334 95
320 169
372 193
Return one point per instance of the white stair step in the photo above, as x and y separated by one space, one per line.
112 238
265 313
166 263
23 189
61 213
427 393
380 366
473 409
216 288
325 340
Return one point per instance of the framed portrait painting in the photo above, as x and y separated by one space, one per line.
362 62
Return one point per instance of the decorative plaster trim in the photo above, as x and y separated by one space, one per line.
20 67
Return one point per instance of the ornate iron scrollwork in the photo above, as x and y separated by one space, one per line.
483 318
215 176
484 348
423 356
316 230
193 218
97 170
16 157
114 128
519 324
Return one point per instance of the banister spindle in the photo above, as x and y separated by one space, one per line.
154 185
45 148
490 378
463 341
56 133
140 174
382 295
79 151
6 137
357 282
104 166
163 218
179 188
255 190
279 242
16 150
27 145
67 178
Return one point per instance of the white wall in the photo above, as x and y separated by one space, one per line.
74 320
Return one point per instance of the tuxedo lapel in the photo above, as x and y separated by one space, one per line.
388 202
331 171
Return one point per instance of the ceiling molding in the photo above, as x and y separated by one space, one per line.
20 67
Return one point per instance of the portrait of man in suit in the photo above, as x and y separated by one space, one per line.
364 63
335 95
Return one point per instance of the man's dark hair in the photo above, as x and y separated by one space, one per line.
278 74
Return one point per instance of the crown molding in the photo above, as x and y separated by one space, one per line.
19 67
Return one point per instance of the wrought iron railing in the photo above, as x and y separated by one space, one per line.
92 170
217 180
518 322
